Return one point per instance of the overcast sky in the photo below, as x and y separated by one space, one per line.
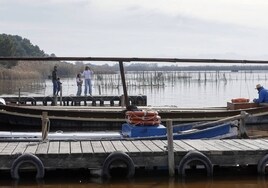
141 28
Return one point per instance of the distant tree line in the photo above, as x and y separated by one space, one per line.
14 45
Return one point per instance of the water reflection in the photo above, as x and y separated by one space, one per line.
82 178
25 87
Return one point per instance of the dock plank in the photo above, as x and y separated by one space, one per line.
250 145
228 145
262 143
86 147
21 147
42 148
220 147
65 148
264 140
152 146
131 148
141 147
2 146
54 147
108 146
76 147
162 145
31 147
236 144
200 145
8 150
97 147
119 146
181 146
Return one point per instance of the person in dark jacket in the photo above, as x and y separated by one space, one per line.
263 94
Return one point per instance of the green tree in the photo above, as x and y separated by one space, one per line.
16 46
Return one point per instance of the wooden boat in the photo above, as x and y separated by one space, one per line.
135 132
85 118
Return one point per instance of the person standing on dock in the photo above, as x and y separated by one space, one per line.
79 83
55 80
263 94
88 75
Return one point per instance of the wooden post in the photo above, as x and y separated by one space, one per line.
60 94
99 90
122 98
171 165
122 72
44 126
55 100
19 97
242 125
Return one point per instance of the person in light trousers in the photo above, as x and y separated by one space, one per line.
88 75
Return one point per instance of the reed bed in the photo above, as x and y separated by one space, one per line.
30 80
153 79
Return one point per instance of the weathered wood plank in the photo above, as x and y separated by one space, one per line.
216 144
2 146
108 146
76 147
42 148
54 147
131 148
162 145
8 150
235 144
200 145
152 146
251 145
65 148
262 143
86 147
181 146
119 146
31 147
141 147
228 145
97 147
20 148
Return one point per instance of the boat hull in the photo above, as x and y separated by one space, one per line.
104 118
130 132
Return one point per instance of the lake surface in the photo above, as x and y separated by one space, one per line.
182 89
81 179
191 89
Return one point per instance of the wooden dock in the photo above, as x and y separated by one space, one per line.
133 154
96 100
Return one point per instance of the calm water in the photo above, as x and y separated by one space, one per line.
81 179
194 89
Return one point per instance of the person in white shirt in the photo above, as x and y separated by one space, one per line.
88 75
